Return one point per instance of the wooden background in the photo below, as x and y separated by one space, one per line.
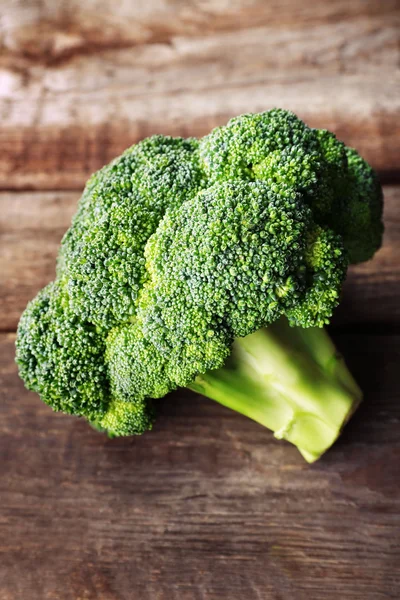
208 506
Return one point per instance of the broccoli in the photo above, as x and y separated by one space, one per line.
101 258
62 358
210 264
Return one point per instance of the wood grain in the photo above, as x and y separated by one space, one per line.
207 506
32 225
65 114
53 30
31 228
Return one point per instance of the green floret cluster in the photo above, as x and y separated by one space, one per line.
102 253
180 252
278 148
62 358
234 258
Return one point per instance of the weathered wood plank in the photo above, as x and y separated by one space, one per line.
54 30
31 228
59 122
206 506
32 225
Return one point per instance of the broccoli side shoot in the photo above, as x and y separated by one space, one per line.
60 357
63 359
101 257
278 148
359 218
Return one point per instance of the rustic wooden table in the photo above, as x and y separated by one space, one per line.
208 506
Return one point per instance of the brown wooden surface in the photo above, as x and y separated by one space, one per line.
208 506
69 103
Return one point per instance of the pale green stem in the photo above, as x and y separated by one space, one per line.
289 379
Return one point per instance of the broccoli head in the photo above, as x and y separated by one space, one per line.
211 264
231 260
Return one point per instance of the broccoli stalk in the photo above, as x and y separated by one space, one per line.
292 380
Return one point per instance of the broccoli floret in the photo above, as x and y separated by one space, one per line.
137 371
102 253
278 148
325 266
125 418
359 219
212 264
62 358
